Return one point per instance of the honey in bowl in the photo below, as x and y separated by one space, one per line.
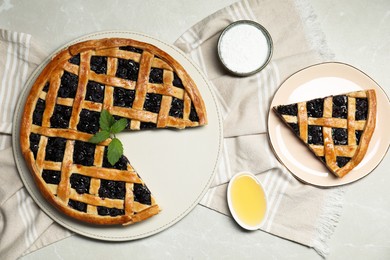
247 201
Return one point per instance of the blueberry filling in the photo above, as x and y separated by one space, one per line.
120 165
156 75
315 135
340 106
177 107
193 115
112 189
99 64
131 48
123 97
127 69
46 87
142 194
80 183
104 211
361 109
315 107
77 205
358 134
177 81
152 102
147 125
295 128
61 116
34 143
340 136
84 153
55 149
322 158
75 59
95 92
68 85
89 121
52 177
291 110
342 161
38 112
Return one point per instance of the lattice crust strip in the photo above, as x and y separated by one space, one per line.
130 79
337 129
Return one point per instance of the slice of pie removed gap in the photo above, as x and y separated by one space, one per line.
337 129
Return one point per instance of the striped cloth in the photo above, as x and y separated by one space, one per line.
298 212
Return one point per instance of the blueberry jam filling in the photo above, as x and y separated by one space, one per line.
342 161
361 109
340 106
152 102
77 205
112 189
75 59
84 153
177 81
99 64
68 85
34 143
315 108
131 48
147 125
127 69
55 149
340 136
315 135
156 75
128 120
61 116
295 128
177 107
322 158
291 110
120 165
89 121
142 194
95 92
38 112
80 183
193 115
46 87
104 211
52 177
123 97
358 134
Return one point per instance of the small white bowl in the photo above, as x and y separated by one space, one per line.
230 203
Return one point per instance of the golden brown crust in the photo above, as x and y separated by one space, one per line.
329 150
60 194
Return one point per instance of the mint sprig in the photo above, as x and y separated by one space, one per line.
109 127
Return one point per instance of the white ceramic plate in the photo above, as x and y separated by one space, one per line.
177 166
319 81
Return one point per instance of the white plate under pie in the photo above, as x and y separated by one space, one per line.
319 81
178 166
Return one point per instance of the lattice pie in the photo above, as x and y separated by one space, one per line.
337 129
130 79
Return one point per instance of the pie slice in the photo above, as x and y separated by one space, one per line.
337 129
130 79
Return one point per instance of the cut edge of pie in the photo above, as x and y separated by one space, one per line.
336 129
131 211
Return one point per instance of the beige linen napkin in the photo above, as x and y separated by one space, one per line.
298 212
23 226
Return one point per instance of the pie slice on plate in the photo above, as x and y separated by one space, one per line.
337 129
128 78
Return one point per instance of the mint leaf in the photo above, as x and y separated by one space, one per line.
115 151
99 137
118 126
106 120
